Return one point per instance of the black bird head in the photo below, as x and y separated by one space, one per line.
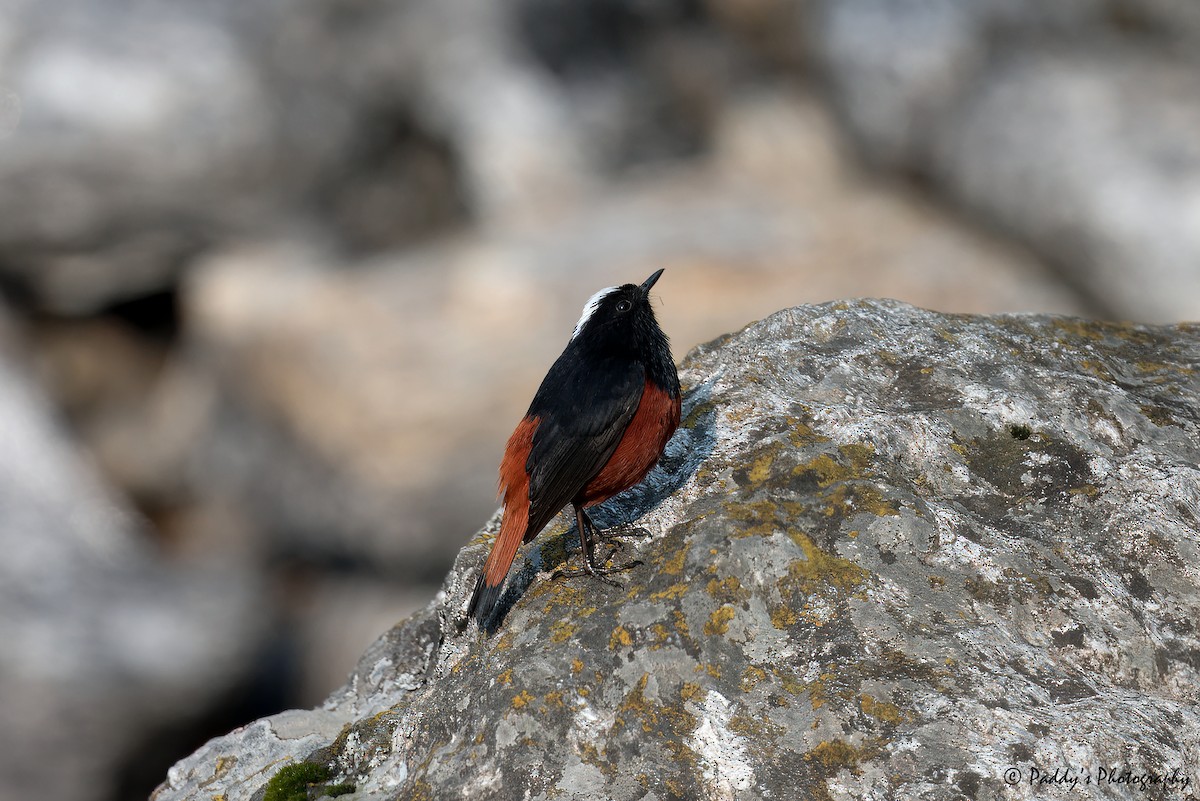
619 320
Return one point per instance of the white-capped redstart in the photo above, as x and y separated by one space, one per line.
597 425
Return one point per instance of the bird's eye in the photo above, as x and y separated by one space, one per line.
624 306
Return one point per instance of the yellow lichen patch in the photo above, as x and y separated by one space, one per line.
666 720
729 590
505 641
820 569
689 691
1088 490
801 434
739 414
718 622
760 468
673 565
848 498
759 518
860 456
681 625
482 537
670 593
566 594
834 755
553 700
761 731
620 638
1083 329
420 790
224 763
591 755
826 469
751 677
505 678
788 681
576 665
855 463
881 710
783 616
661 634
522 700
1098 369
816 694
562 631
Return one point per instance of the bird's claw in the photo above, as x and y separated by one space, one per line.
599 573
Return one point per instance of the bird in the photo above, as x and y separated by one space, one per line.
597 425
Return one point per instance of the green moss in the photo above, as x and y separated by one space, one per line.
292 782
335 790
1020 431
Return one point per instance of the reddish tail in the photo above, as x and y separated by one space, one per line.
514 485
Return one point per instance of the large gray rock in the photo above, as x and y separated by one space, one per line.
1069 126
142 133
106 645
134 138
891 554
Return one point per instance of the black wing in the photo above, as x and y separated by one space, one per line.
584 406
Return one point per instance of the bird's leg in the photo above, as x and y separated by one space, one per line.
587 543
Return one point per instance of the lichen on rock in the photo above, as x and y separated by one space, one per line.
890 554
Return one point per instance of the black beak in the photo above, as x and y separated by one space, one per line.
649 282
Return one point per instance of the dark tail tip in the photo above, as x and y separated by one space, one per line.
483 602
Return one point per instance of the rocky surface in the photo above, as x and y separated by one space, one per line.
1067 125
890 554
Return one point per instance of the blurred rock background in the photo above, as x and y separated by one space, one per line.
279 277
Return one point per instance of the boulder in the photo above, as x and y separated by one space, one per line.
1068 126
109 649
889 554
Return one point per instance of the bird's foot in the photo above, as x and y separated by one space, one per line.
598 572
